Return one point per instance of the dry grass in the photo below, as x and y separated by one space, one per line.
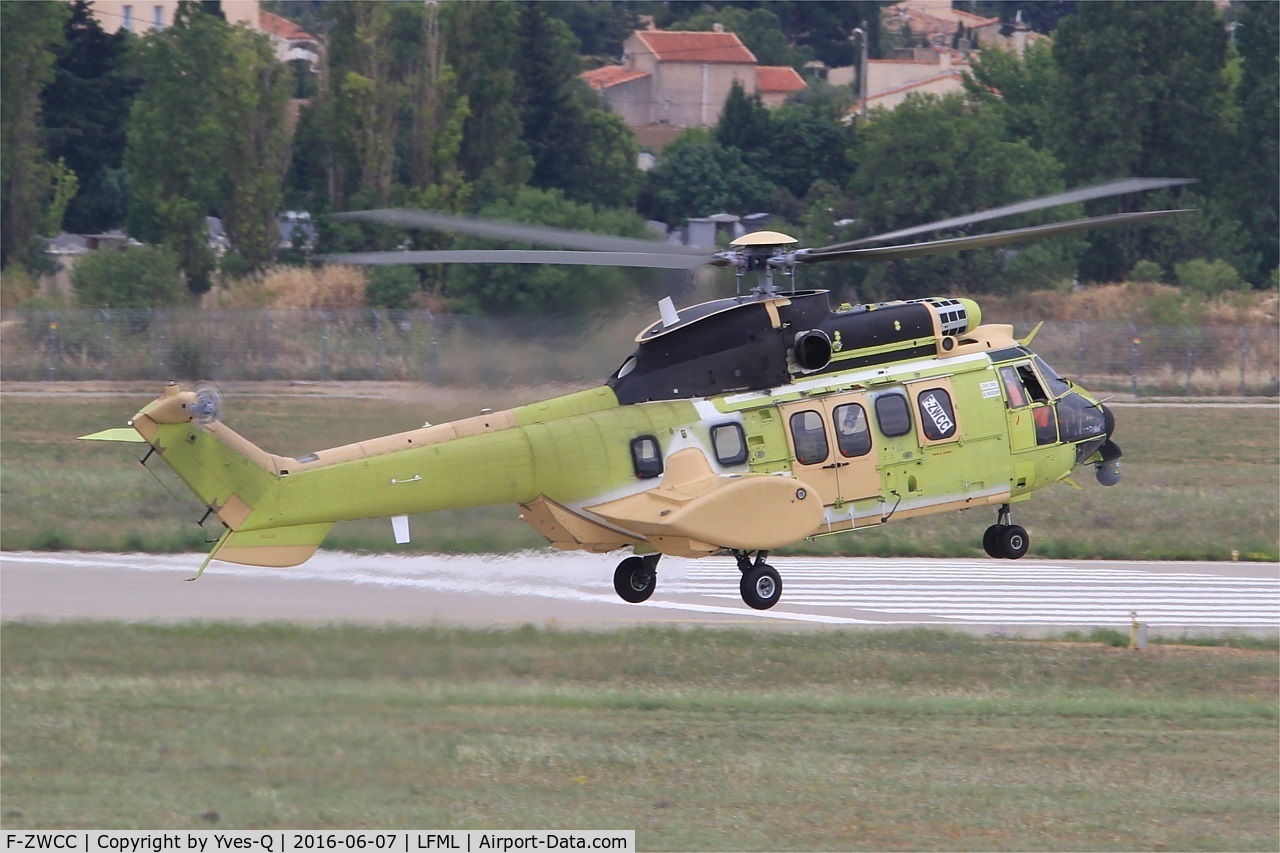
329 286
1133 302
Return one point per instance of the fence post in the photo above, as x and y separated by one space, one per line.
1191 358
52 348
377 343
213 345
271 346
1080 351
106 344
158 318
324 347
1244 355
433 353
1133 365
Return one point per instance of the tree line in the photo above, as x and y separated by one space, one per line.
480 108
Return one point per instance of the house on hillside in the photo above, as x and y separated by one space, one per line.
936 22
930 71
669 81
142 18
289 40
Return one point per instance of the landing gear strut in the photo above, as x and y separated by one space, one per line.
1003 539
636 578
761 586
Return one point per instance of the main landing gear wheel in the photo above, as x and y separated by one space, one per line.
1005 540
636 578
761 585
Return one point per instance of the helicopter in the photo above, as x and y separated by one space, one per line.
736 427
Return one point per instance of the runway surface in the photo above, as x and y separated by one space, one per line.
1029 597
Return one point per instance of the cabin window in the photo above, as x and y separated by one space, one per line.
809 437
729 443
937 416
853 433
646 457
893 414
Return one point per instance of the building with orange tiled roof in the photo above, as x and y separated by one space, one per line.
775 82
290 40
672 80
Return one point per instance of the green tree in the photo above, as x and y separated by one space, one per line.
932 159
575 147
1142 93
176 139
810 143
32 34
481 44
543 289
253 107
86 112
208 135
138 277
1254 186
697 177
1021 89
745 122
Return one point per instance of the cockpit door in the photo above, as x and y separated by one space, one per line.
831 445
1032 420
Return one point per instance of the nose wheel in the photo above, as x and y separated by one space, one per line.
636 578
1004 540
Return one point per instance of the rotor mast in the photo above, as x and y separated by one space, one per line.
763 252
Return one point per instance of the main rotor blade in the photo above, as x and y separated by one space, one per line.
500 230
525 256
981 241
1131 185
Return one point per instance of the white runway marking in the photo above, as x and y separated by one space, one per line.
577 588
1033 592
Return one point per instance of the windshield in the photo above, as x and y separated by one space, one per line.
1056 385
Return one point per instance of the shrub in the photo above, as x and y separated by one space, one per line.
391 287
1207 278
135 277
1146 272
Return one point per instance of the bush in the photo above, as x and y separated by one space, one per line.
135 277
1207 278
391 287
1146 272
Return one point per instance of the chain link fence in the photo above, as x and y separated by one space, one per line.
420 346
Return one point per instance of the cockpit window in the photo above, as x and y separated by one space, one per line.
1014 395
1031 383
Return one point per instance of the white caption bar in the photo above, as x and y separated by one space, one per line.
313 841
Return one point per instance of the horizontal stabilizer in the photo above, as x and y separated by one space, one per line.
276 547
117 434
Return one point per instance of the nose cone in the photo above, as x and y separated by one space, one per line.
1108 470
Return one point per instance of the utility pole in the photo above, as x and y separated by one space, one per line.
861 33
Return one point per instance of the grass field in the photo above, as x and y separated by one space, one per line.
723 740
1199 483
